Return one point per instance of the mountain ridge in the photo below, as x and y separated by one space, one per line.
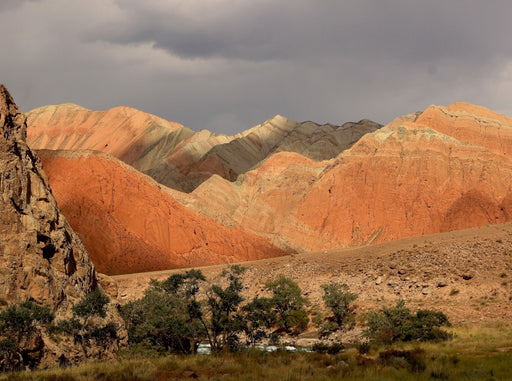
183 159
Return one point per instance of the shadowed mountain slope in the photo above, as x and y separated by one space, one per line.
130 223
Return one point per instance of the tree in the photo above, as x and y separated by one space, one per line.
168 316
86 324
339 301
225 319
288 303
391 324
19 323
259 318
91 304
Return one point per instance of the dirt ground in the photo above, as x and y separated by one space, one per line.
467 274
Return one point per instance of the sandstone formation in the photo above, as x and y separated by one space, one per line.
247 150
134 137
403 180
310 187
130 223
42 259
175 156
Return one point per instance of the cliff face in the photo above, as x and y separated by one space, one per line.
41 258
130 223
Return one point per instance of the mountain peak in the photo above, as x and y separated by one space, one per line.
12 121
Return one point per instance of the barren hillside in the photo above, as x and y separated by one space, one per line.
129 223
467 273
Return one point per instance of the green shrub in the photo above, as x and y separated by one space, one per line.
288 303
168 316
226 320
259 318
339 301
331 349
103 334
20 322
413 360
297 321
391 324
83 330
91 304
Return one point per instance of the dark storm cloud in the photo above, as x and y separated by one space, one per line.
12 4
259 30
226 64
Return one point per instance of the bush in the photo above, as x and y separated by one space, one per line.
83 330
168 316
398 324
225 312
339 301
104 334
288 303
331 349
413 360
259 317
91 304
20 322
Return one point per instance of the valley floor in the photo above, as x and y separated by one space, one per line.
467 274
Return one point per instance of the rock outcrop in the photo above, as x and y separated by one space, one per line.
130 223
41 258
175 156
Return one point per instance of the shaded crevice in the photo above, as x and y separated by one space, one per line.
47 246
70 264
17 207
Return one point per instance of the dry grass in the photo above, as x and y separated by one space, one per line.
474 354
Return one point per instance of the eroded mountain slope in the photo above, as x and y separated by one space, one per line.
403 180
174 155
130 223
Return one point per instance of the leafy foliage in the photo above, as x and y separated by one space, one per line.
91 304
339 301
103 334
20 322
391 324
259 317
83 325
288 304
224 303
168 316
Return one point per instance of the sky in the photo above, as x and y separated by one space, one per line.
227 65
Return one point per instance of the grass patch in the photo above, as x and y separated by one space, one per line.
473 354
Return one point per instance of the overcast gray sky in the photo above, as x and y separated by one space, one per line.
227 65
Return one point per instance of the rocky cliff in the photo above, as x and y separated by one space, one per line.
41 258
